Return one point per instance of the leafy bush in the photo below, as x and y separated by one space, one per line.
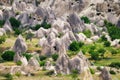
94 55
18 31
112 72
2 39
9 76
19 63
43 58
27 55
85 19
44 24
29 36
75 74
92 48
87 33
8 55
113 51
107 44
80 44
2 22
102 51
103 38
92 71
42 63
113 30
99 68
37 27
14 22
115 64
18 74
74 46
55 57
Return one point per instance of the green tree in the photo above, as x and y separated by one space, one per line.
2 22
107 44
14 23
55 56
8 55
74 46
85 19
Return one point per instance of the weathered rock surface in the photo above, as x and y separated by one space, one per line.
105 75
20 45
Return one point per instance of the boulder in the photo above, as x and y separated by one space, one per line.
115 42
95 38
7 26
33 62
20 45
24 19
62 64
105 75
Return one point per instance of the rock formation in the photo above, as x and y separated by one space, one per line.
20 45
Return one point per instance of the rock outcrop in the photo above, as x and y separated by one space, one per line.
20 45
105 75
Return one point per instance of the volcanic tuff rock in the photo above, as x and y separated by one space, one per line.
20 45
105 75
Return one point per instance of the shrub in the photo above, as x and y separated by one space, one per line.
18 74
115 64
112 72
80 44
9 76
44 24
42 63
8 55
75 74
92 48
14 22
37 27
102 51
107 44
85 19
94 55
92 71
29 36
103 38
113 51
51 72
2 39
19 63
43 58
55 57
27 55
18 31
99 68
113 30
2 22
74 46
87 33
